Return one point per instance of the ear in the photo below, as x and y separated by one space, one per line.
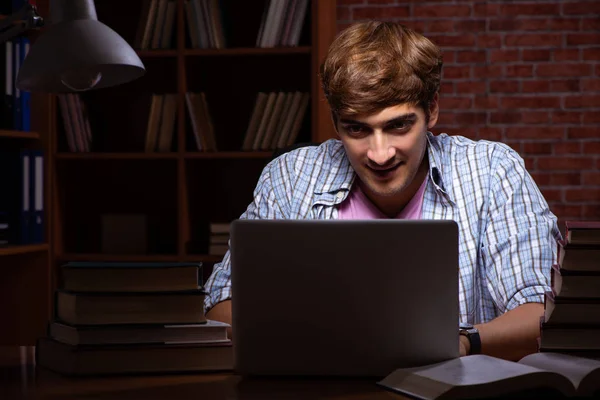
434 111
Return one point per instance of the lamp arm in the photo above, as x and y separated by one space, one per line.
23 20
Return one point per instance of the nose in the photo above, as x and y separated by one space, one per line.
380 151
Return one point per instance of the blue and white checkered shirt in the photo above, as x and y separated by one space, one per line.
507 234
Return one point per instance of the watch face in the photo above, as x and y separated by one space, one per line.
465 326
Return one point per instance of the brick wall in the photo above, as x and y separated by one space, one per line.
526 73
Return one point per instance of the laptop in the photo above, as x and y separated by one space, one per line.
343 297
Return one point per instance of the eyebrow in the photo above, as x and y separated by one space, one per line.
399 118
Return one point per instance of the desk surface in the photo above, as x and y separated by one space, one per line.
19 379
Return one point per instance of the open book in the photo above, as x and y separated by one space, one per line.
479 376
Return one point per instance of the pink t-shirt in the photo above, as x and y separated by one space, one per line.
358 206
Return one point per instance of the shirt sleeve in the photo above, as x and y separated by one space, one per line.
265 205
520 238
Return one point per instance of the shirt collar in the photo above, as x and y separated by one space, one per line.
337 174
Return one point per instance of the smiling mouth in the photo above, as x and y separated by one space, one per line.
384 173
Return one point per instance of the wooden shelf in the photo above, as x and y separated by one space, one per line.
157 53
23 249
246 51
19 134
139 258
229 154
163 156
115 156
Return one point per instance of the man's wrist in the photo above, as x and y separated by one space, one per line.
465 342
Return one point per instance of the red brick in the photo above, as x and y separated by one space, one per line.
447 87
487 41
447 40
563 24
530 163
442 11
468 25
591 178
418 26
592 54
566 210
591 211
583 132
541 178
449 57
564 85
533 25
535 86
582 101
576 39
551 194
536 117
382 2
530 39
597 70
535 55
590 84
458 72
581 8
446 25
563 69
486 9
485 102
567 55
519 70
565 179
456 103
590 24
591 148
489 133
531 132
350 1
470 118
567 148
446 117
566 117
507 24
516 145
505 117
537 148
565 163
590 117
504 55
472 56
504 86
488 71
531 102
478 87
513 10
587 194
381 13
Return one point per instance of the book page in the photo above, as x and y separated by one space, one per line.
574 368
472 376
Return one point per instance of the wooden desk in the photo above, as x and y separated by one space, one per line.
20 379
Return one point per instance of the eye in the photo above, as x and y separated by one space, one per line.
400 126
355 130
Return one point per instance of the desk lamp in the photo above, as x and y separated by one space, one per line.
76 53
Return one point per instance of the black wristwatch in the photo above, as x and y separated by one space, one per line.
472 334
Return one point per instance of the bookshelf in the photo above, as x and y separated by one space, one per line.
26 269
181 191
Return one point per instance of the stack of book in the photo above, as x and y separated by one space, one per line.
571 321
219 238
124 318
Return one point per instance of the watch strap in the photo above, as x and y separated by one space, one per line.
474 339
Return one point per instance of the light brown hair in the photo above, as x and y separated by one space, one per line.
374 65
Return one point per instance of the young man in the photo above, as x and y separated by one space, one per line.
381 81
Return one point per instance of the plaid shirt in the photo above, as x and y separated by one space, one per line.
507 234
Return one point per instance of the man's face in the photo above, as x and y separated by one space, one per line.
386 148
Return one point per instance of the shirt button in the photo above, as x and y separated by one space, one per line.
339 195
